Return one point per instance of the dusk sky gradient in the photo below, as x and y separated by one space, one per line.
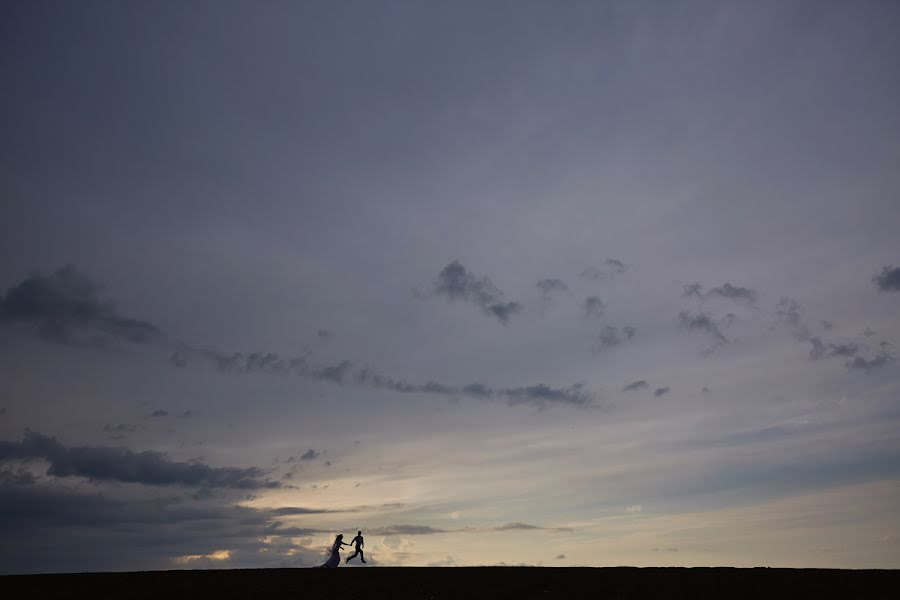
546 283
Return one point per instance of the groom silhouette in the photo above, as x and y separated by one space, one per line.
358 542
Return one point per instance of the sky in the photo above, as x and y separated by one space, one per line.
578 283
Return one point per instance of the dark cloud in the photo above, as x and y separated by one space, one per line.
593 307
120 428
456 283
18 476
514 526
726 290
867 365
552 285
607 338
346 372
733 292
661 391
178 359
406 530
106 463
309 455
610 269
50 529
560 556
324 333
827 325
629 331
504 310
334 373
790 311
888 280
539 395
287 511
67 298
702 322
66 302
692 289
637 385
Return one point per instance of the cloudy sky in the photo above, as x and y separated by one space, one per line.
580 283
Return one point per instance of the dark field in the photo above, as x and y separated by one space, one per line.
463 582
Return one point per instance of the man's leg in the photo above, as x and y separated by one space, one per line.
352 556
362 556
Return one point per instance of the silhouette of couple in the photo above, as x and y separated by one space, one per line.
335 559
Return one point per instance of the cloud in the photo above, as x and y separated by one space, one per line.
607 338
309 455
635 508
888 280
539 395
610 269
56 529
515 526
345 371
860 363
287 511
518 526
790 311
637 385
702 322
334 373
120 428
560 556
456 283
593 307
66 302
726 290
406 530
552 285
16 477
692 289
106 463
660 391
732 292
822 349
67 299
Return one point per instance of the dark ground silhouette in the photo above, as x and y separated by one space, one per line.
469 583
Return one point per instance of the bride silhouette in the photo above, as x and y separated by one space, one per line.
335 559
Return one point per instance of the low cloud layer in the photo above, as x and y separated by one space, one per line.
107 463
